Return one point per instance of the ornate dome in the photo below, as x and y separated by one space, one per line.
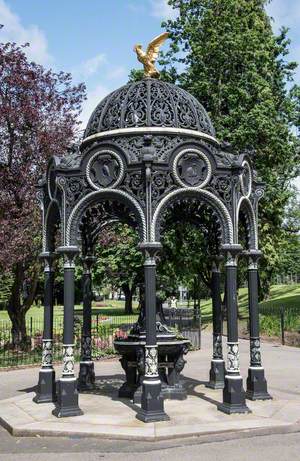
149 103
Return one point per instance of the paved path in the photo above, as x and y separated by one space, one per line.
283 373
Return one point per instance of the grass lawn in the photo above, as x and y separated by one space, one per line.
281 295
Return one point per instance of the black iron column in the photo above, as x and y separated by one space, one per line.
86 379
233 392
67 395
217 368
152 404
256 382
46 385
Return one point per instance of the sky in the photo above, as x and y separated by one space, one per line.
94 39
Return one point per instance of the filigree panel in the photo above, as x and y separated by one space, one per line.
149 102
134 184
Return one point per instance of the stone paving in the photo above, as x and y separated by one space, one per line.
107 416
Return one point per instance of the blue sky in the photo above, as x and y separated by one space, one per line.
93 39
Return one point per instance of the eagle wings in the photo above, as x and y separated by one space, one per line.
148 59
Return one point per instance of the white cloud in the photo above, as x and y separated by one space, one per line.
161 9
14 31
90 66
285 13
93 98
119 72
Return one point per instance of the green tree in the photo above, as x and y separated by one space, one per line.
237 67
39 112
119 261
289 257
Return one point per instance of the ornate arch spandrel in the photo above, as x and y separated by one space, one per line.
52 222
203 195
246 208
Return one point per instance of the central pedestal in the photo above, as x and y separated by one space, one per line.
171 351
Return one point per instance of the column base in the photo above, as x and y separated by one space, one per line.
86 378
46 386
233 396
257 384
67 399
216 374
152 402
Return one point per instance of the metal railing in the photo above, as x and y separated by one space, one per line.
104 330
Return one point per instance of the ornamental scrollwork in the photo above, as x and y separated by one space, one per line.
134 184
68 359
217 346
151 361
222 185
86 347
149 102
47 353
233 362
255 354
162 183
76 187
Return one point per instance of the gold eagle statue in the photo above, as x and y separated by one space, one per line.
148 59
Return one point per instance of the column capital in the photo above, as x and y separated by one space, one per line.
216 260
231 252
69 253
88 261
48 257
252 257
150 249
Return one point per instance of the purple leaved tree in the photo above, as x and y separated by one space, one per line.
39 112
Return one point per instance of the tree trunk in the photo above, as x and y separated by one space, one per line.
17 311
128 298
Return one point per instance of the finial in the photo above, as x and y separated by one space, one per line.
148 59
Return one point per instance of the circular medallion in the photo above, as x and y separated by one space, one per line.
192 168
246 179
104 169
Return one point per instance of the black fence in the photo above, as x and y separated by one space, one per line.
279 321
187 321
104 330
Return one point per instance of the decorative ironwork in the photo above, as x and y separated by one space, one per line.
222 185
76 187
246 179
151 361
233 361
134 184
192 168
255 355
86 347
149 102
203 196
104 169
47 353
68 360
217 347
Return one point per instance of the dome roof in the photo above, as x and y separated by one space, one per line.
149 103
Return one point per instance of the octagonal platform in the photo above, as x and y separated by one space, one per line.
107 416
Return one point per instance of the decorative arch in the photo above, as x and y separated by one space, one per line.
52 222
72 227
205 196
245 207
